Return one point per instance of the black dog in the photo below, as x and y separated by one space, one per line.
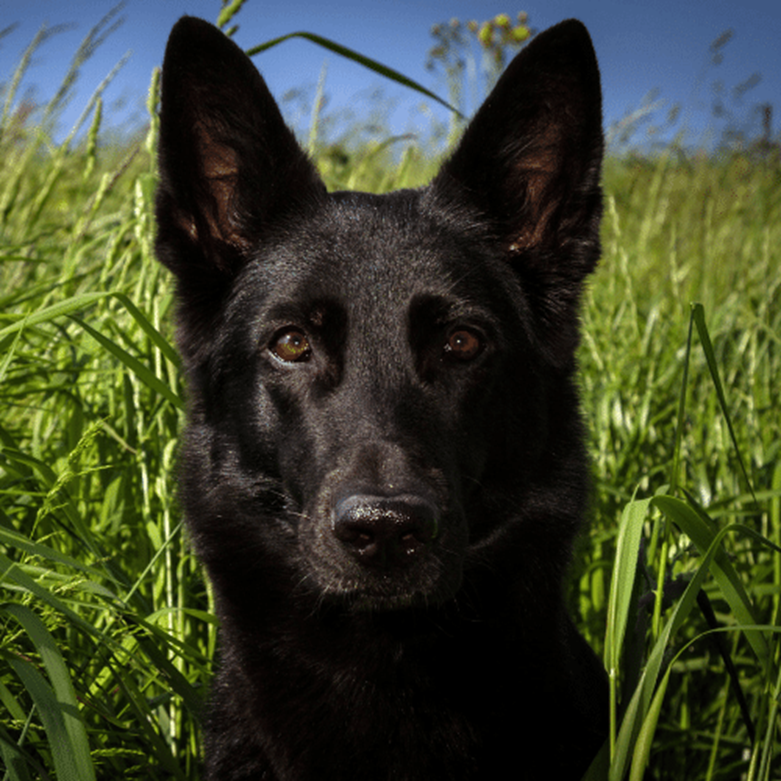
383 468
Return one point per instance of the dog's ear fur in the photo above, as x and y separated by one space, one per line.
530 162
229 166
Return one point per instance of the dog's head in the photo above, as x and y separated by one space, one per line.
380 386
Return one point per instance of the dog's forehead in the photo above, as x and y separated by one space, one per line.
384 241
371 256
380 226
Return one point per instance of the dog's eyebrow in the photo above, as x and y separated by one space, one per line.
445 308
315 312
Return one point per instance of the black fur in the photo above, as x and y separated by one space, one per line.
383 467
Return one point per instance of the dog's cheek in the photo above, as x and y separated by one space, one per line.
476 420
301 444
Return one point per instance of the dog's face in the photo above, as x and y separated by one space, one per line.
380 385
377 394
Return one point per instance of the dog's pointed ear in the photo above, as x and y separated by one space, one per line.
229 166
530 162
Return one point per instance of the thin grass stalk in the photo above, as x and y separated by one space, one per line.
317 110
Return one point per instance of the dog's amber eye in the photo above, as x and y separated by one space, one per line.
291 346
463 345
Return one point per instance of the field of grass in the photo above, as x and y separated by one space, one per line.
106 629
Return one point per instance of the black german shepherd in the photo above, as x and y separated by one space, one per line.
383 468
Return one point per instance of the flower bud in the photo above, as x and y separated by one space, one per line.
519 33
486 34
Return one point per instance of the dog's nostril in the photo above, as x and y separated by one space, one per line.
385 530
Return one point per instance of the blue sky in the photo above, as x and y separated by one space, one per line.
641 46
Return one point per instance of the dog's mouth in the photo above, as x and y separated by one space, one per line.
355 589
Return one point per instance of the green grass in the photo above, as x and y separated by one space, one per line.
688 419
106 630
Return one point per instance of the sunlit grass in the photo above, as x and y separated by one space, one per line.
706 463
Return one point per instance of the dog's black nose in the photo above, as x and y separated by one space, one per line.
383 531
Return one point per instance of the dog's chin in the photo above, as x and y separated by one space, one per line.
389 597
386 603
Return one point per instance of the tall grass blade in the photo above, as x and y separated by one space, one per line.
229 10
51 312
10 570
675 472
620 598
698 315
148 377
350 54
636 714
82 301
645 735
56 701
694 524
